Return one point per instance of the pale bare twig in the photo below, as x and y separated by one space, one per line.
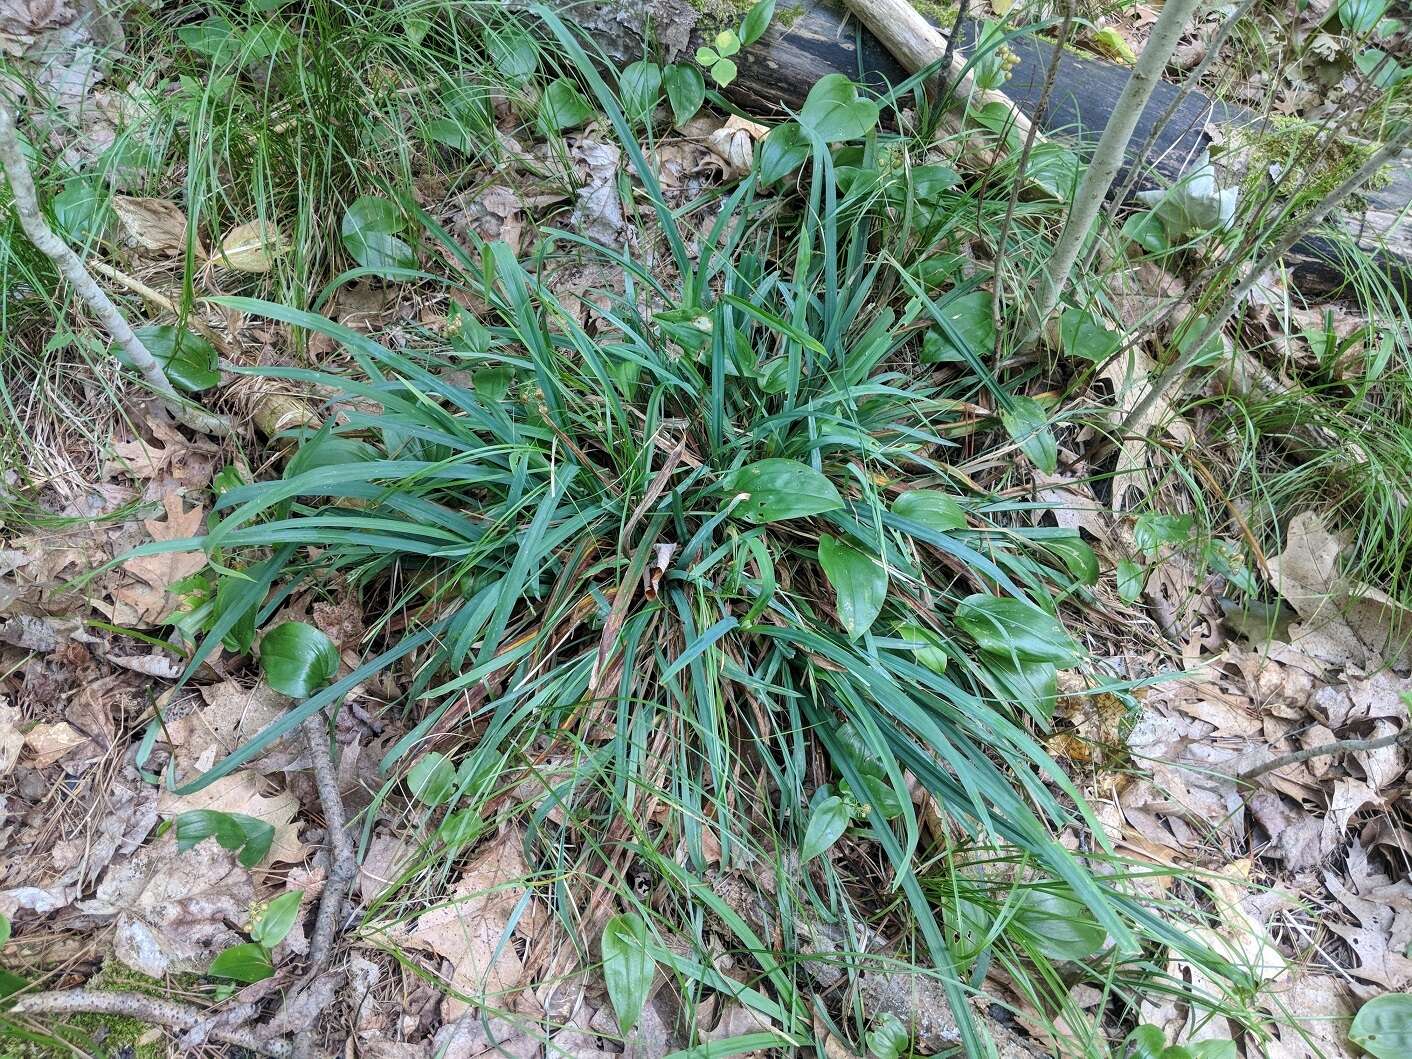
1338 746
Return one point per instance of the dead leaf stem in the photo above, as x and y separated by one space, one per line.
1338 746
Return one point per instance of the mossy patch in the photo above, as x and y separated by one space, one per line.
1327 161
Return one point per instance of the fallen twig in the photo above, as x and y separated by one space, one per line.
147 1009
1338 746
73 270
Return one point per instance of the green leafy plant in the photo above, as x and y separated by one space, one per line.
628 967
297 659
188 359
1383 1026
716 57
236 832
253 961
371 232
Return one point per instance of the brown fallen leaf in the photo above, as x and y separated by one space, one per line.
252 247
160 572
47 743
12 740
232 716
172 908
152 226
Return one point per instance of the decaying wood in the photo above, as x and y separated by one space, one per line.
777 72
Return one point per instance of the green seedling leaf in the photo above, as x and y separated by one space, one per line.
833 111
432 780
215 38
1081 334
1015 628
513 52
369 234
971 316
1054 170
827 823
726 43
1190 332
783 150
234 831
723 71
1131 578
756 21
1077 557
628 967
1147 231
1113 44
1383 1026
83 210
243 963
782 489
4 930
297 659
926 646
1061 926
640 86
1145 1042
859 583
277 920
1034 685
1027 422
188 359
461 827
877 792
888 1039
1152 530
686 91
492 384
562 106
932 508
706 55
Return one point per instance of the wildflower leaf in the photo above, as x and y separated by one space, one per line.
628 967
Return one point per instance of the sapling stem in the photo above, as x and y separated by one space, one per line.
1108 160
76 274
1178 369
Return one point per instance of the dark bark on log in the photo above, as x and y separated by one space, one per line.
777 73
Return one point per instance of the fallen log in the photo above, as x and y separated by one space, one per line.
818 38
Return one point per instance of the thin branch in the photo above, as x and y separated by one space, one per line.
1338 746
1184 363
1107 160
72 269
144 1009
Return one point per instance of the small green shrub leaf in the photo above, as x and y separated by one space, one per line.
640 86
1152 530
82 210
723 71
686 91
1147 231
370 234
628 967
781 489
833 111
859 583
1145 1042
888 1039
1054 169
1009 627
562 106
297 659
513 52
1131 578
1081 334
319 449
1027 422
970 316
926 646
432 780
1383 1026
932 508
188 359
278 919
243 963
783 150
756 21
827 823
234 831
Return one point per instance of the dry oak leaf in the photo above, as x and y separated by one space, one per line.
49 742
152 226
232 716
160 572
12 740
240 793
172 907
470 930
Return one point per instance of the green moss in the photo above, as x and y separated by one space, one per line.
717 15
787 17
938 12
1330 161
104 1035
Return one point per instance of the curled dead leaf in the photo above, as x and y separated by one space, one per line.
252 247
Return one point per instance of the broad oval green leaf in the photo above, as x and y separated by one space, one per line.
1216 1048
1383 1026
562 106
513 52
932 508
833 110
327 450
686 91
187 358
4 930
1054 169
1061 926
83 210
640 86
370 234
297 659
1027 422
780 489
234 831
432 780
1009 627
723 71
1145 1042
278 919
1077 557
756 21
970 316
859 582
1081 334
926 646
827 823
628 967
1131 578
783 150
243 963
